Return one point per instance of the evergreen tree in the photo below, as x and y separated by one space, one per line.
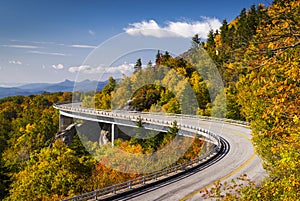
269 96
211 45
167 55
210 42
138 65
158 58
165 58
110 86
149 64
196 41
174 129
224 32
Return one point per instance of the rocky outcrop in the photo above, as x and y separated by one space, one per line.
103 137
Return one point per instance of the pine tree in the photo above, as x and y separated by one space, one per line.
196 41
224 32
149 64
138 65
158 58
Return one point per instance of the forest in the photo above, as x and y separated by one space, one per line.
257 56
31 169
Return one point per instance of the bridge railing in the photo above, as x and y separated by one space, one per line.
145 117
198 117
144 180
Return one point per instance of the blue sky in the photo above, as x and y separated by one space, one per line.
49 41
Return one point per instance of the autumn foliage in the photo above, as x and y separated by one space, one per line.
32 170
267 89
257 55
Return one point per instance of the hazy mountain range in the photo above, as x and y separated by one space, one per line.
39 88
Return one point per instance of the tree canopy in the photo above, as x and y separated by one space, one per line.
257 55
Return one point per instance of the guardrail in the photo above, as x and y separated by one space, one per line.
231 121
144 117
127 185
134 116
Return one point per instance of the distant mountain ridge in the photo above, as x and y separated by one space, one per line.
39 88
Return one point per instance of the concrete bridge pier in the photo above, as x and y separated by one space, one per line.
64 122
112 134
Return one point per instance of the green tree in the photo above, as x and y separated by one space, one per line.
224 32
158 58
233 108
52 174
219 105
165 57
266 55
112 83
172 106
174 129
269 95
138 65
88 101
196 41
149 64
145 97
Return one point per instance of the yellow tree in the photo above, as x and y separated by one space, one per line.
52 174
269 95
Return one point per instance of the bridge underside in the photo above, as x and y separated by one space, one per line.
112 125
103 132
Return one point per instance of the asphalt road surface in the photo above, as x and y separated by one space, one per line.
239 158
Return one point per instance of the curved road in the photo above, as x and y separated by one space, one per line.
240 159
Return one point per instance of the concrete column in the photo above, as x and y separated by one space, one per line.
64 122
112 134
60 123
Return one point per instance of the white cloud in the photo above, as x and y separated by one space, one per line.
83 68
121 69
48 53
21 46
58 66
84 46
15 62
36 42
174 29
150 28
92 33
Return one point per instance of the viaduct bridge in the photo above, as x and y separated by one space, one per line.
231 155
